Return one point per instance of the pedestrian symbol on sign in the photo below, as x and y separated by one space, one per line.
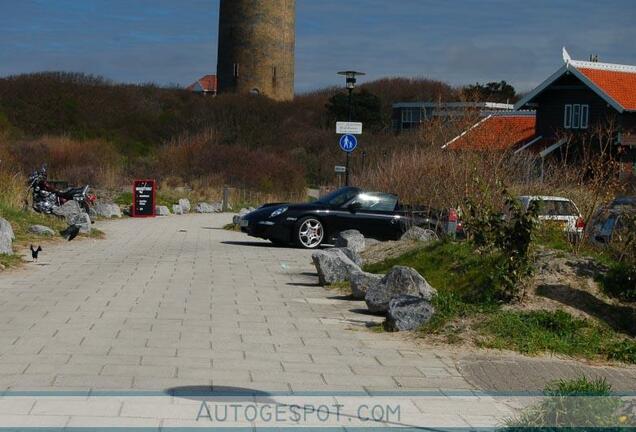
348 143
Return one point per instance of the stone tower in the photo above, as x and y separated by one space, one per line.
256 47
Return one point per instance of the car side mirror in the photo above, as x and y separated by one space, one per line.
354 207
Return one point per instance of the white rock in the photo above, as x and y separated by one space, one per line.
6 227
162 211
185 205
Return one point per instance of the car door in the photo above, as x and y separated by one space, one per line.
373 214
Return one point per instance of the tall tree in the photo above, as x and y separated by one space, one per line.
366 108
491 92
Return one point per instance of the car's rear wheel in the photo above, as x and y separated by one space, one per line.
309 233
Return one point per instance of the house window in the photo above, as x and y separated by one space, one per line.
567 119
236 70
411 117
576 116
585 116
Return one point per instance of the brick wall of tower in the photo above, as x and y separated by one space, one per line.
256 47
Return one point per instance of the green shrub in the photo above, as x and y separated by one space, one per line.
579 403
508 236
620 281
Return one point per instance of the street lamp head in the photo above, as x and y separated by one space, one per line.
351 78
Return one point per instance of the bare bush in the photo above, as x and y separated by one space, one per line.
197 156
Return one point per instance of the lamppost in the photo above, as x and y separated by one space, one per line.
350 84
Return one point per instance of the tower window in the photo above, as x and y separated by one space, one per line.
274 74
236 70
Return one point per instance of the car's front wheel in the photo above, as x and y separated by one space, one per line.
309 233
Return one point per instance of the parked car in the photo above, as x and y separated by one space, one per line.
608 222
559 211
376 215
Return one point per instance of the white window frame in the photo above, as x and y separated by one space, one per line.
567 116
576 116
585 116
409 116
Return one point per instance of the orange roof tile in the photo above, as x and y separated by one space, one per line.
497 132
619 85
208 83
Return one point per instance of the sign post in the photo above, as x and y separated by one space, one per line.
144 198
348 143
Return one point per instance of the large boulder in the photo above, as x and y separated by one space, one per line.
361 282
5 227
106 210
83 220
400 280
162 211
69 210
408 313
6 243
351 239
209 208
353 255
420 234
333 266
177 209
41 230
185 205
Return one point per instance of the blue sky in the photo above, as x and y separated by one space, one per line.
460 41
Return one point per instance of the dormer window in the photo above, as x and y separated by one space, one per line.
576 116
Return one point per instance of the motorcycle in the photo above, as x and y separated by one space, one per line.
46 198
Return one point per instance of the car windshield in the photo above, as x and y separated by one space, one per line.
339 197
557 208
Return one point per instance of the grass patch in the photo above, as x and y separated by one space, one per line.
450 267
462 277
343 288
465 287
580 403
558 332
377 328
10 261
96 234
21 221
123 199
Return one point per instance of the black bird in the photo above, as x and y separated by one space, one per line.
71 232
35 252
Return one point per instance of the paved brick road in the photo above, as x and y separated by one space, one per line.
177 302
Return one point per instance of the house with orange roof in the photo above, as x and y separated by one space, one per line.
582 97
207 85
577 99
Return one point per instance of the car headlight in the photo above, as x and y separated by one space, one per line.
278 212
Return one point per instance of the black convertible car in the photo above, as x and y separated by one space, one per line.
375 214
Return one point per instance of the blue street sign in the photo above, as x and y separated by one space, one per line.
348 143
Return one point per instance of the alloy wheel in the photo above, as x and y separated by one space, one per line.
310 233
